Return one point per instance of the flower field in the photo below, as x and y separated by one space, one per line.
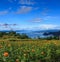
30 51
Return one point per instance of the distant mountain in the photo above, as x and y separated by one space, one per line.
38 31
42 31
33 33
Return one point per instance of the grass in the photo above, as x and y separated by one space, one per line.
29 50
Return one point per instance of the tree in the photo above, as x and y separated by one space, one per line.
38 37
14 35
24 36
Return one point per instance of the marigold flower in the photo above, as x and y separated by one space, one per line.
55 43
6 54
24 54
9 45
1 46
28 51
33 50
42 53
17 60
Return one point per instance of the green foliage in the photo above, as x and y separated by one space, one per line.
24 36
13 34
29 52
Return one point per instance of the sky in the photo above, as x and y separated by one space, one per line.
29 14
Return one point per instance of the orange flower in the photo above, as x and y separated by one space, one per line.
9 45
33 50
42 53
17 60
28 51
1 46
55 43
24 51
24 54
6 54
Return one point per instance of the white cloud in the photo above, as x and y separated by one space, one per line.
33 27
3 12
27 2
45 11
23 9
12 1
36 20
5 26
25 6
50 17
48 26
44 27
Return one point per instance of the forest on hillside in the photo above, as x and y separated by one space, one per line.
13 34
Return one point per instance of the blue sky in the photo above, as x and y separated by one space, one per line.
30 14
